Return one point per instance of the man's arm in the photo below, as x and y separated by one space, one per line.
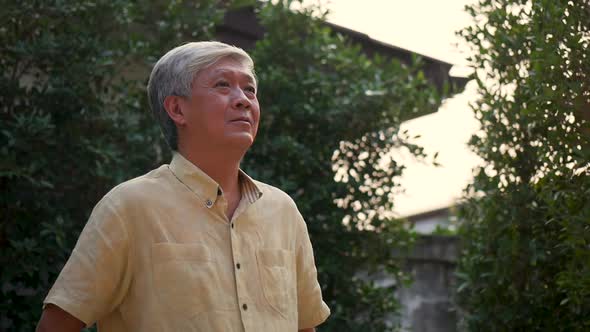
311 308
54 318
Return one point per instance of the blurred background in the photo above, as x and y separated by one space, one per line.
427 28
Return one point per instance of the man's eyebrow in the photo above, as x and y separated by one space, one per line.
246 74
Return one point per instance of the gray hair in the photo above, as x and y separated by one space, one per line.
174 73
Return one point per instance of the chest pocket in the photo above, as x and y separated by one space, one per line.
185 278
277 275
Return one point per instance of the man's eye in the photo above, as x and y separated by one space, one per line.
250 89
222 84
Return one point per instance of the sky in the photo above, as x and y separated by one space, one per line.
426 27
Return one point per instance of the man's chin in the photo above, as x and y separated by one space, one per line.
240 141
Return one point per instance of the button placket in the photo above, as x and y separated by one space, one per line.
238 272
234 241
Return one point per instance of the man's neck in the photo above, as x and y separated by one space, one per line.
221 167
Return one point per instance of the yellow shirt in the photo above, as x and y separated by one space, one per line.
159 254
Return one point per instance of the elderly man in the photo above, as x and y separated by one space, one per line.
196 245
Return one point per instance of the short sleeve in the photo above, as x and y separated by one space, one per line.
311 308
97 275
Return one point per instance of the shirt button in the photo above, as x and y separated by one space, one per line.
208 203
238 266
232 225
245 306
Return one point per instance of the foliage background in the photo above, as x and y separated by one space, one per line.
526 232
74 123
331 113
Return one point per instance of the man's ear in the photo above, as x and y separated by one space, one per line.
172 105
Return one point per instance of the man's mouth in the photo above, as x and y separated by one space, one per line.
242 120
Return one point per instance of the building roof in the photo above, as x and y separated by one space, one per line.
240 27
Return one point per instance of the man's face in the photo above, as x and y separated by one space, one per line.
223 109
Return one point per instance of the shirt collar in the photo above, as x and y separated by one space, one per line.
204 186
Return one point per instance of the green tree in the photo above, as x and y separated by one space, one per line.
330 115
526 233
73 123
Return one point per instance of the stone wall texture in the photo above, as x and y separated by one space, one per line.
428 302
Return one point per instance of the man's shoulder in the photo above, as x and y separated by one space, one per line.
274 195
142 187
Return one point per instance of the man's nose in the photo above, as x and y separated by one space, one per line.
240 100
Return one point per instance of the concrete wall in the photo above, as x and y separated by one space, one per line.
427 302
